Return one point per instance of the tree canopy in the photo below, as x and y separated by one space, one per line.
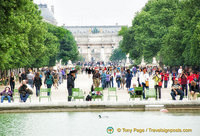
117 55
167 30
27 41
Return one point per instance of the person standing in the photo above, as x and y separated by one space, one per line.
70 84
38 83
24 76
60 76
174 76
49 81
138 76
107 79
20 77
12 81
128 79
180 70
144 80
184 86
166 78
123 79
118 79
103 79
30 78
55 77
157 80
96 78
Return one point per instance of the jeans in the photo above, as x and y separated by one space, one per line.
111 82
107 84
103 83
118 83
165 83
37 90
3 97
60 80
12 86
24 98
49 86
144 86
69 93
139 85
158 91
184 87
180 92
128 83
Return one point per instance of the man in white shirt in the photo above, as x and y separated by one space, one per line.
144 80
180 70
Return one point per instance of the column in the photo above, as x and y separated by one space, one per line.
89 54
102 53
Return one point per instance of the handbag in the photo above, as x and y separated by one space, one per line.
147 83
160 83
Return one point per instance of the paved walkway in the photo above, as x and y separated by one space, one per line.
84 82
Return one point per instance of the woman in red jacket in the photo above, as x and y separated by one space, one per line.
166 78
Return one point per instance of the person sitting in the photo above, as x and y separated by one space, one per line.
7 93
24 91
131 91
176 90
193 91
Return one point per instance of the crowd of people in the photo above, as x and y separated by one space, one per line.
182 80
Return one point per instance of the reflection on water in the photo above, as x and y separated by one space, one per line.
89 123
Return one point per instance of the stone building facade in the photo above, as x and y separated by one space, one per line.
96 43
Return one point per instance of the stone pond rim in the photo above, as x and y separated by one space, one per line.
77 106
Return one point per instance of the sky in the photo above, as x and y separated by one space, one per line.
94 12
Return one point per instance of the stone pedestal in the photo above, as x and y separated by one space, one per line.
127 61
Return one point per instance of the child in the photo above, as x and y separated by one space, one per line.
131 91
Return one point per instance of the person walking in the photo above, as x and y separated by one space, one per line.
49 81
103 79
37 82
118 79
144 80
129 77
12 81
157 84
166 78
70 84
30 78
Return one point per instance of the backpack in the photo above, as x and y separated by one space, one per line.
88 98
49 80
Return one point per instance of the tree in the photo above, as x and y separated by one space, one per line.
167 30
117 55
68 48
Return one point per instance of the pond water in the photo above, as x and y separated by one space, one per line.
89 124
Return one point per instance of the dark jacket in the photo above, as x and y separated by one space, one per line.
37 81
70 81
24 90
24 77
